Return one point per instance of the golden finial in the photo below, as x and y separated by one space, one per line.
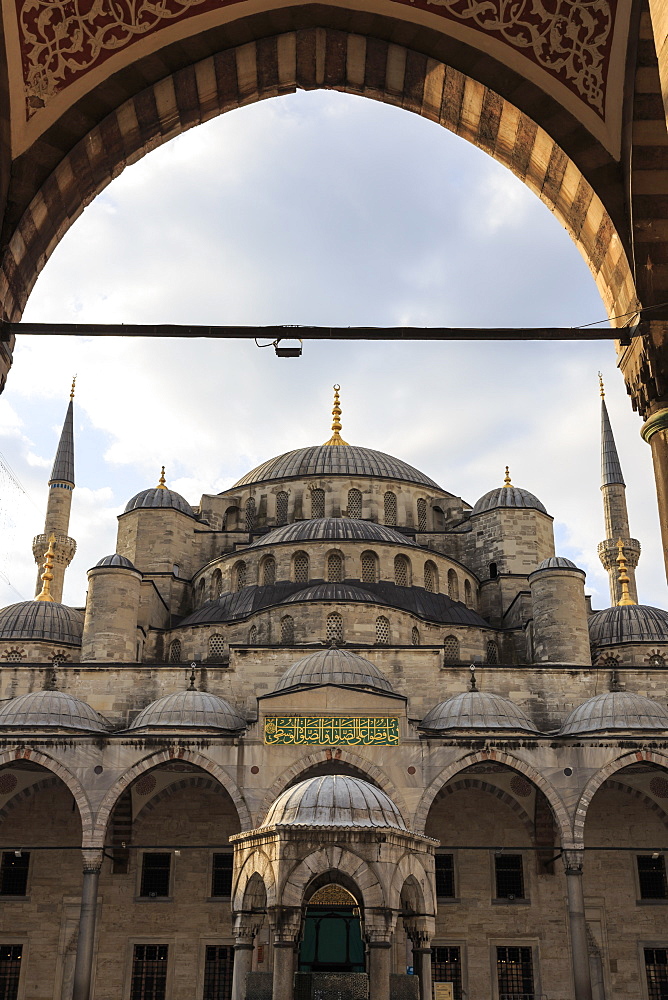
47 575
336 422
74 382
161 482
623 577
601 387
506 481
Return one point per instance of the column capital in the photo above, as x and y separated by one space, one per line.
573 861
92 859
658 421
286 924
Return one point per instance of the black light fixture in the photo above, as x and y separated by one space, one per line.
294 351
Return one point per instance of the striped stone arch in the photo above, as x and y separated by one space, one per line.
27 793
346 756
499 793
412 865
164 757
78 793
596 780
192 781
559 810
316 58
257 863
635 793
338 859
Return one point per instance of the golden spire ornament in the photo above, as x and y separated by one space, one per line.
162 485
74 382
506 481
47 575
336 422
623 577
601 387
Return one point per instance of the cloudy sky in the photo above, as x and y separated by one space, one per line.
316 208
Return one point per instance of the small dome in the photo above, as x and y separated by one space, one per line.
507 496
557 562
334 800
629 623
332 529
615 710
115 560
335 460
477 710
332 592
47 709
334 666
48 620
189 710
159 497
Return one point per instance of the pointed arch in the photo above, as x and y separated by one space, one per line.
336 859
596 780
257 864
475 784
78 793
419 867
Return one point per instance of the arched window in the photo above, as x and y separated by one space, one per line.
468 594
430 577
334 567
492 652
268 571
334 627
175 651
493 571
382 630
656 660
402 571
300 567
282 507
252 635
453 585
422 514
216 646
13 656
201 593
369 567
390 508
608 661
216 587
287 629
415 635
354 504
317 503
250 514
59 658
239 575
451 649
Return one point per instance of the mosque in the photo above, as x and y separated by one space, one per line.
333 733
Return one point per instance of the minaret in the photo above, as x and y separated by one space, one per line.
57 520
616 516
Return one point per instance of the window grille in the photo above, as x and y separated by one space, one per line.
216 646
221 875
269 572
656 970
390 509
282 507
369 567
453 585
354 504
492 651
334 568
175 651
430 577
287 629
14 874
451 649
514 969
509 877
216 588
382 630
652 876
656 660
301 567
608 661
401 571
149 972
252 635
445 875
468 594
155 874
317 503
59 658
415 635
10 970
446 967
13 656
422 515
334 627
250 514
218 965
240 576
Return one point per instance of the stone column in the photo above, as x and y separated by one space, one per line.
655 432
380 962
243 955
419 930
287 924
83 968
573 862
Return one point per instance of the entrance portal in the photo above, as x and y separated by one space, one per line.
332 939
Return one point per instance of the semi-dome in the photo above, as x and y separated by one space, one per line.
557 562
332 529
47 620
615 710
51 709
628 623
507 496
332 592
189 710
115 560
335 460
477 710
334 800
334 666
159 497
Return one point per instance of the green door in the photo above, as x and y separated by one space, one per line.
332 940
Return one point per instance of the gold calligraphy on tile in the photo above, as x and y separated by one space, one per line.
347 730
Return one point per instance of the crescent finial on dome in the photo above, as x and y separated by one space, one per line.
162 484
506 480
47 575
336 422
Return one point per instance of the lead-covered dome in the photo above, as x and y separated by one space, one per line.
51 710
115 560
334 666
159 497
189 710
507 496
477 710
332 529
615 710
332 592
335 460
628 623
557 562
334 800
46 620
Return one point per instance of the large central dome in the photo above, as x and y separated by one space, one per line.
335 460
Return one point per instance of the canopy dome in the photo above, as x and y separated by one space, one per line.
477 710
332 529
334 800
334 666
507 496
158 497
615 710
335 460
189 710
51 709
47 620
557 562
628 623
115 560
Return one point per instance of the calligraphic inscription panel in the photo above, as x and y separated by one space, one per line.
332 731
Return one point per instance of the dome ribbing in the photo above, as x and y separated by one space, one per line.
615 710
332 529
334 800
335 460
48 620
334 666
477 710
51 709
189 710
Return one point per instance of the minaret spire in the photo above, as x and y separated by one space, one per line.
616 516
